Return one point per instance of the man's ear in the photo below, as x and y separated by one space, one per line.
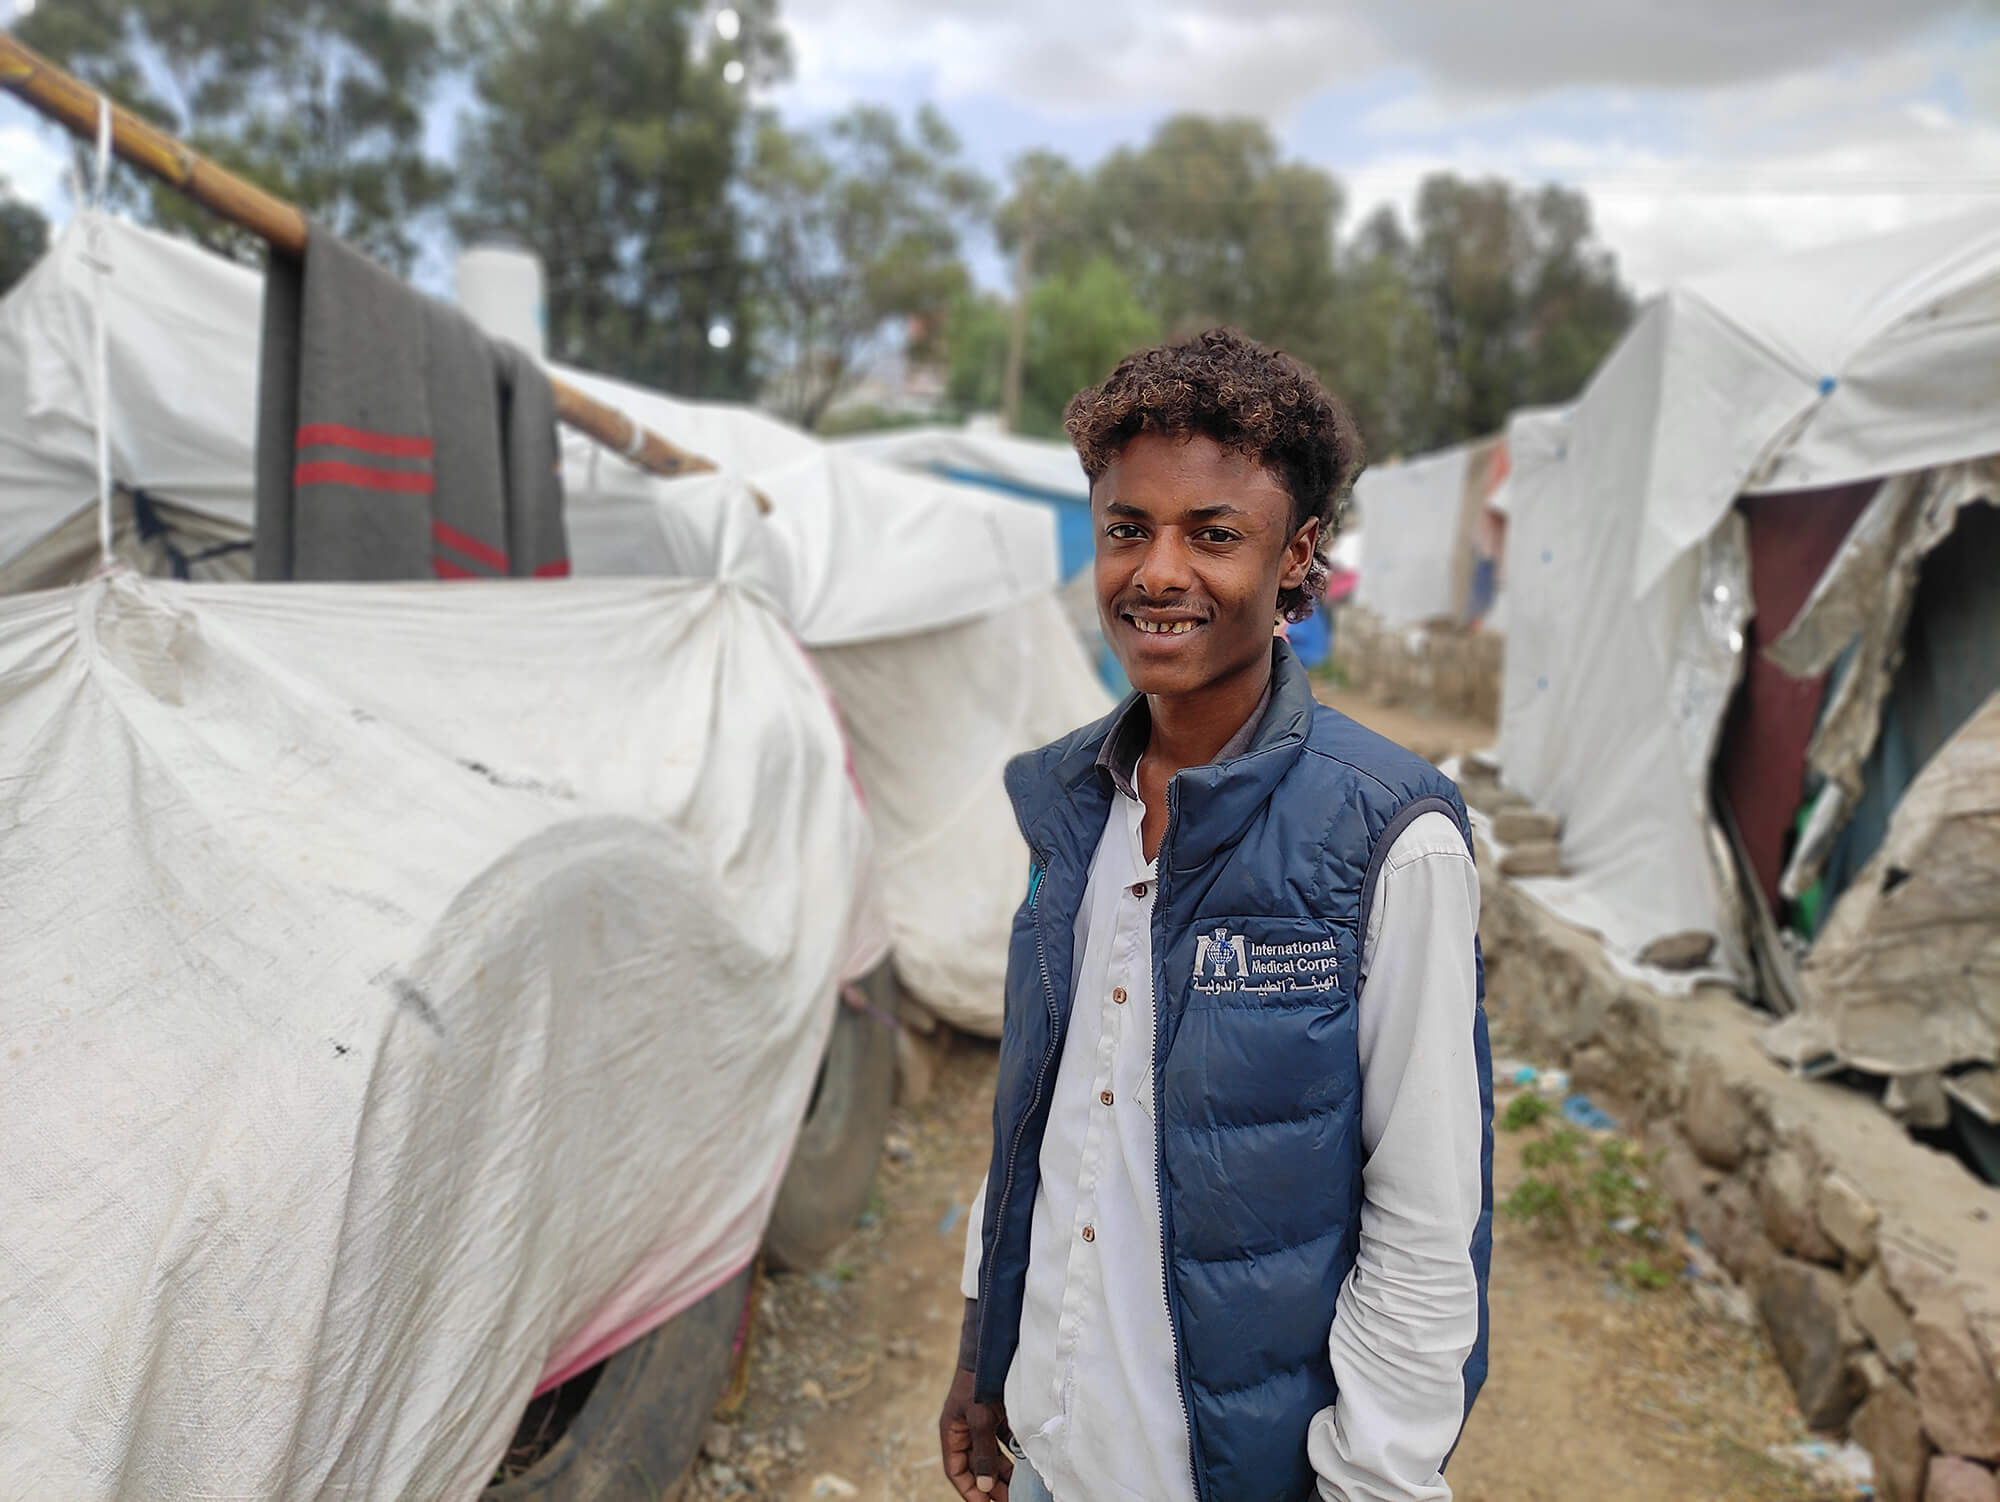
1299 555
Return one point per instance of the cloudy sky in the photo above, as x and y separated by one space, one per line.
1704 131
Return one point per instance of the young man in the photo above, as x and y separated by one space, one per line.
1233 1243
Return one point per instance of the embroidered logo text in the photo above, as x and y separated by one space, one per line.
1224 961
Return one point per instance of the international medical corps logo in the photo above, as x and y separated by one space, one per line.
1221 954
1225 961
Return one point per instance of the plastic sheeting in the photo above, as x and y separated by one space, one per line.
1905 976
1411 535
411 990
1865 359
1039 466
954 866
1863 600
854 550
182 342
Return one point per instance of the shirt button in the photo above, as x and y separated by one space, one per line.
1139 889
1118 995
1105 1096
1090 1233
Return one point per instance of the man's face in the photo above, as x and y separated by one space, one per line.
1194 542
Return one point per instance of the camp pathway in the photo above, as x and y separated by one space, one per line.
1595 1392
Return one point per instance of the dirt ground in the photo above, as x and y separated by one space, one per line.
1596 1392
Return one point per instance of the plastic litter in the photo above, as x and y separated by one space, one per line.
1524 1075
1513 1070
1835 1467
1554 1083
948 1222
1579 1110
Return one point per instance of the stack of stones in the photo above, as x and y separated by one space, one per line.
1879 1338
1532 837
1439 666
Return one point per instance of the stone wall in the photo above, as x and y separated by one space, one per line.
1872 1261
1439 666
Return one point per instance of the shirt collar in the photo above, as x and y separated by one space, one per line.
1122 748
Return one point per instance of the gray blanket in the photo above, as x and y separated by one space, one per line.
394 439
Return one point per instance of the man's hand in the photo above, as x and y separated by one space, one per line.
970 1436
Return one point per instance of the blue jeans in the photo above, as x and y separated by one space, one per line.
1026 1485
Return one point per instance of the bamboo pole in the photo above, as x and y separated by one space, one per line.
71 102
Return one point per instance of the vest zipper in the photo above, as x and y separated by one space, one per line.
1160 879
1021 1126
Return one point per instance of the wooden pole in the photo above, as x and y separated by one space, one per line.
71 102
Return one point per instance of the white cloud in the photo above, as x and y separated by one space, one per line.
1798 160
1528 45
1072 58
33 166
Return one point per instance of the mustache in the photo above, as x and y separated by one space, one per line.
1183 605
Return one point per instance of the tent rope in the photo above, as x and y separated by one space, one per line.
100 267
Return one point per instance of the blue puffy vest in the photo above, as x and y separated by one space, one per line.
1266 871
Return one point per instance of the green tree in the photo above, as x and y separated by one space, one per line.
608 140
974 348
1524 302
1080 323
857 227
1384 360
1079 326
319 101
24 236
1213 227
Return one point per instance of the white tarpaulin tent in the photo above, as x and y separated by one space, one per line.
853 552
1410 535
323 1146
181 334
1624 559
861 550
1042 465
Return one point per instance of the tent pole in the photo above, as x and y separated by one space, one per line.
72 103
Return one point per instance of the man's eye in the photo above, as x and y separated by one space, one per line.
1123 531
1216 535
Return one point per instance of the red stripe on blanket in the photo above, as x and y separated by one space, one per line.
339 472
364 439
444 568
472 547
557 570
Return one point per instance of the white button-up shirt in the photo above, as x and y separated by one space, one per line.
1092 1395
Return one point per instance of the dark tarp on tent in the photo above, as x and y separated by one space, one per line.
1951 663
1760 767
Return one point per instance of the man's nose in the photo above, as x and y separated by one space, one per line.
1165 568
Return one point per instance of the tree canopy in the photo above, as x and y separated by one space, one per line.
854 228
24 236
608 141
1495 297
320 101
1080 323
697 243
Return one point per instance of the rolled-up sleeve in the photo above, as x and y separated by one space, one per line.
1408 1314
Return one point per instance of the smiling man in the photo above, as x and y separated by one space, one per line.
1233 1242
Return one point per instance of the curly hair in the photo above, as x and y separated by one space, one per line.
1260 402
